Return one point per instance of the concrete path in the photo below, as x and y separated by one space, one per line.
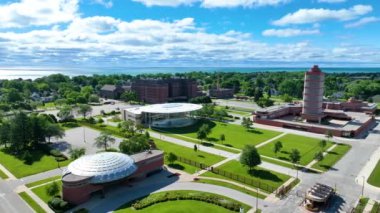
367 170
369 206
308 166
7 172
191 145
43 175
270 140
37 199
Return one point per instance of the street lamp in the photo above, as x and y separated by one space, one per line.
363 186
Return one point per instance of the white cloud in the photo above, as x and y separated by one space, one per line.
213 3
241 3
331 1
169 3
362 21
105 41
105 3
37 13
289 32
305 16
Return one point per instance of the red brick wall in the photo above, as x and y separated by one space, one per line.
79 195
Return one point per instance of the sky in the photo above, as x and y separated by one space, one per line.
189 33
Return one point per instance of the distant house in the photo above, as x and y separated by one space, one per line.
112 91
221 93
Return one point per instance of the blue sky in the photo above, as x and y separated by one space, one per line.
249 33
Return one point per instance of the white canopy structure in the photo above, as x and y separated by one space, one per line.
103 167
166 115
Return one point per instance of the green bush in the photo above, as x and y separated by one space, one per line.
61 158
70 124
55 153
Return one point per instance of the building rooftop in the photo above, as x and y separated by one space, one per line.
148 154
108 87
167 108
102 167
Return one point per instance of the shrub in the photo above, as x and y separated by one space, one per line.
91 120
70 124
61 158
55 153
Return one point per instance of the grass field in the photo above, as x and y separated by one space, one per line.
41 191
37 208
264 176
3 175
332 157
180 206
231 186
29 185
361 205
236 136
374 179
41 163
199 156
307 147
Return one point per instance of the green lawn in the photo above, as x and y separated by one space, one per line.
18 168
231 186
361 205
308 147
199 156
29 185
41 191
37 208
180 206
374 179
332 157
236 135
3 175
280 163
375 208
264 176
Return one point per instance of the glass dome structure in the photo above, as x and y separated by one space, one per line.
103 167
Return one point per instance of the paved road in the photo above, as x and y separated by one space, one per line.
10 202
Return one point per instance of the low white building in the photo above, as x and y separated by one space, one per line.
163 115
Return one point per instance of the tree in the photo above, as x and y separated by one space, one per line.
140 128
195 147
129 96
20 131
318 156
77 153
84 110
322 144
329 135
103 140
135 144
171 157
250 157
247 123
258 94
93 99
65 113
277 147
222 137
54 130
203 132
220 114
287 98
5 128
127 127
265 102
53 189
295 156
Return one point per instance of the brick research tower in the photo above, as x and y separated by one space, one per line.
313 95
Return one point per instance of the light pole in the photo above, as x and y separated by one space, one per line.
257 199
363 186
84 134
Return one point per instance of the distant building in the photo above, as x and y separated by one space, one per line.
112 91
222 93
343 119
165 90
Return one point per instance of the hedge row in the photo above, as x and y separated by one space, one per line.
173 196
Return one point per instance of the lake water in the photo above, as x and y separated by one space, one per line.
33 73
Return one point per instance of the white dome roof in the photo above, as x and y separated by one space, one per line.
103 167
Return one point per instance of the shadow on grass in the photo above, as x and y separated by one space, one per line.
254 131
29 156
207 144
201 156
264 174
284 158
285 152
229 145
332 153
176 166
212 139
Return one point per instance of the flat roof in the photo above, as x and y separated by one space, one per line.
168 108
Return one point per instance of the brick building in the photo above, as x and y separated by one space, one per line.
165 90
